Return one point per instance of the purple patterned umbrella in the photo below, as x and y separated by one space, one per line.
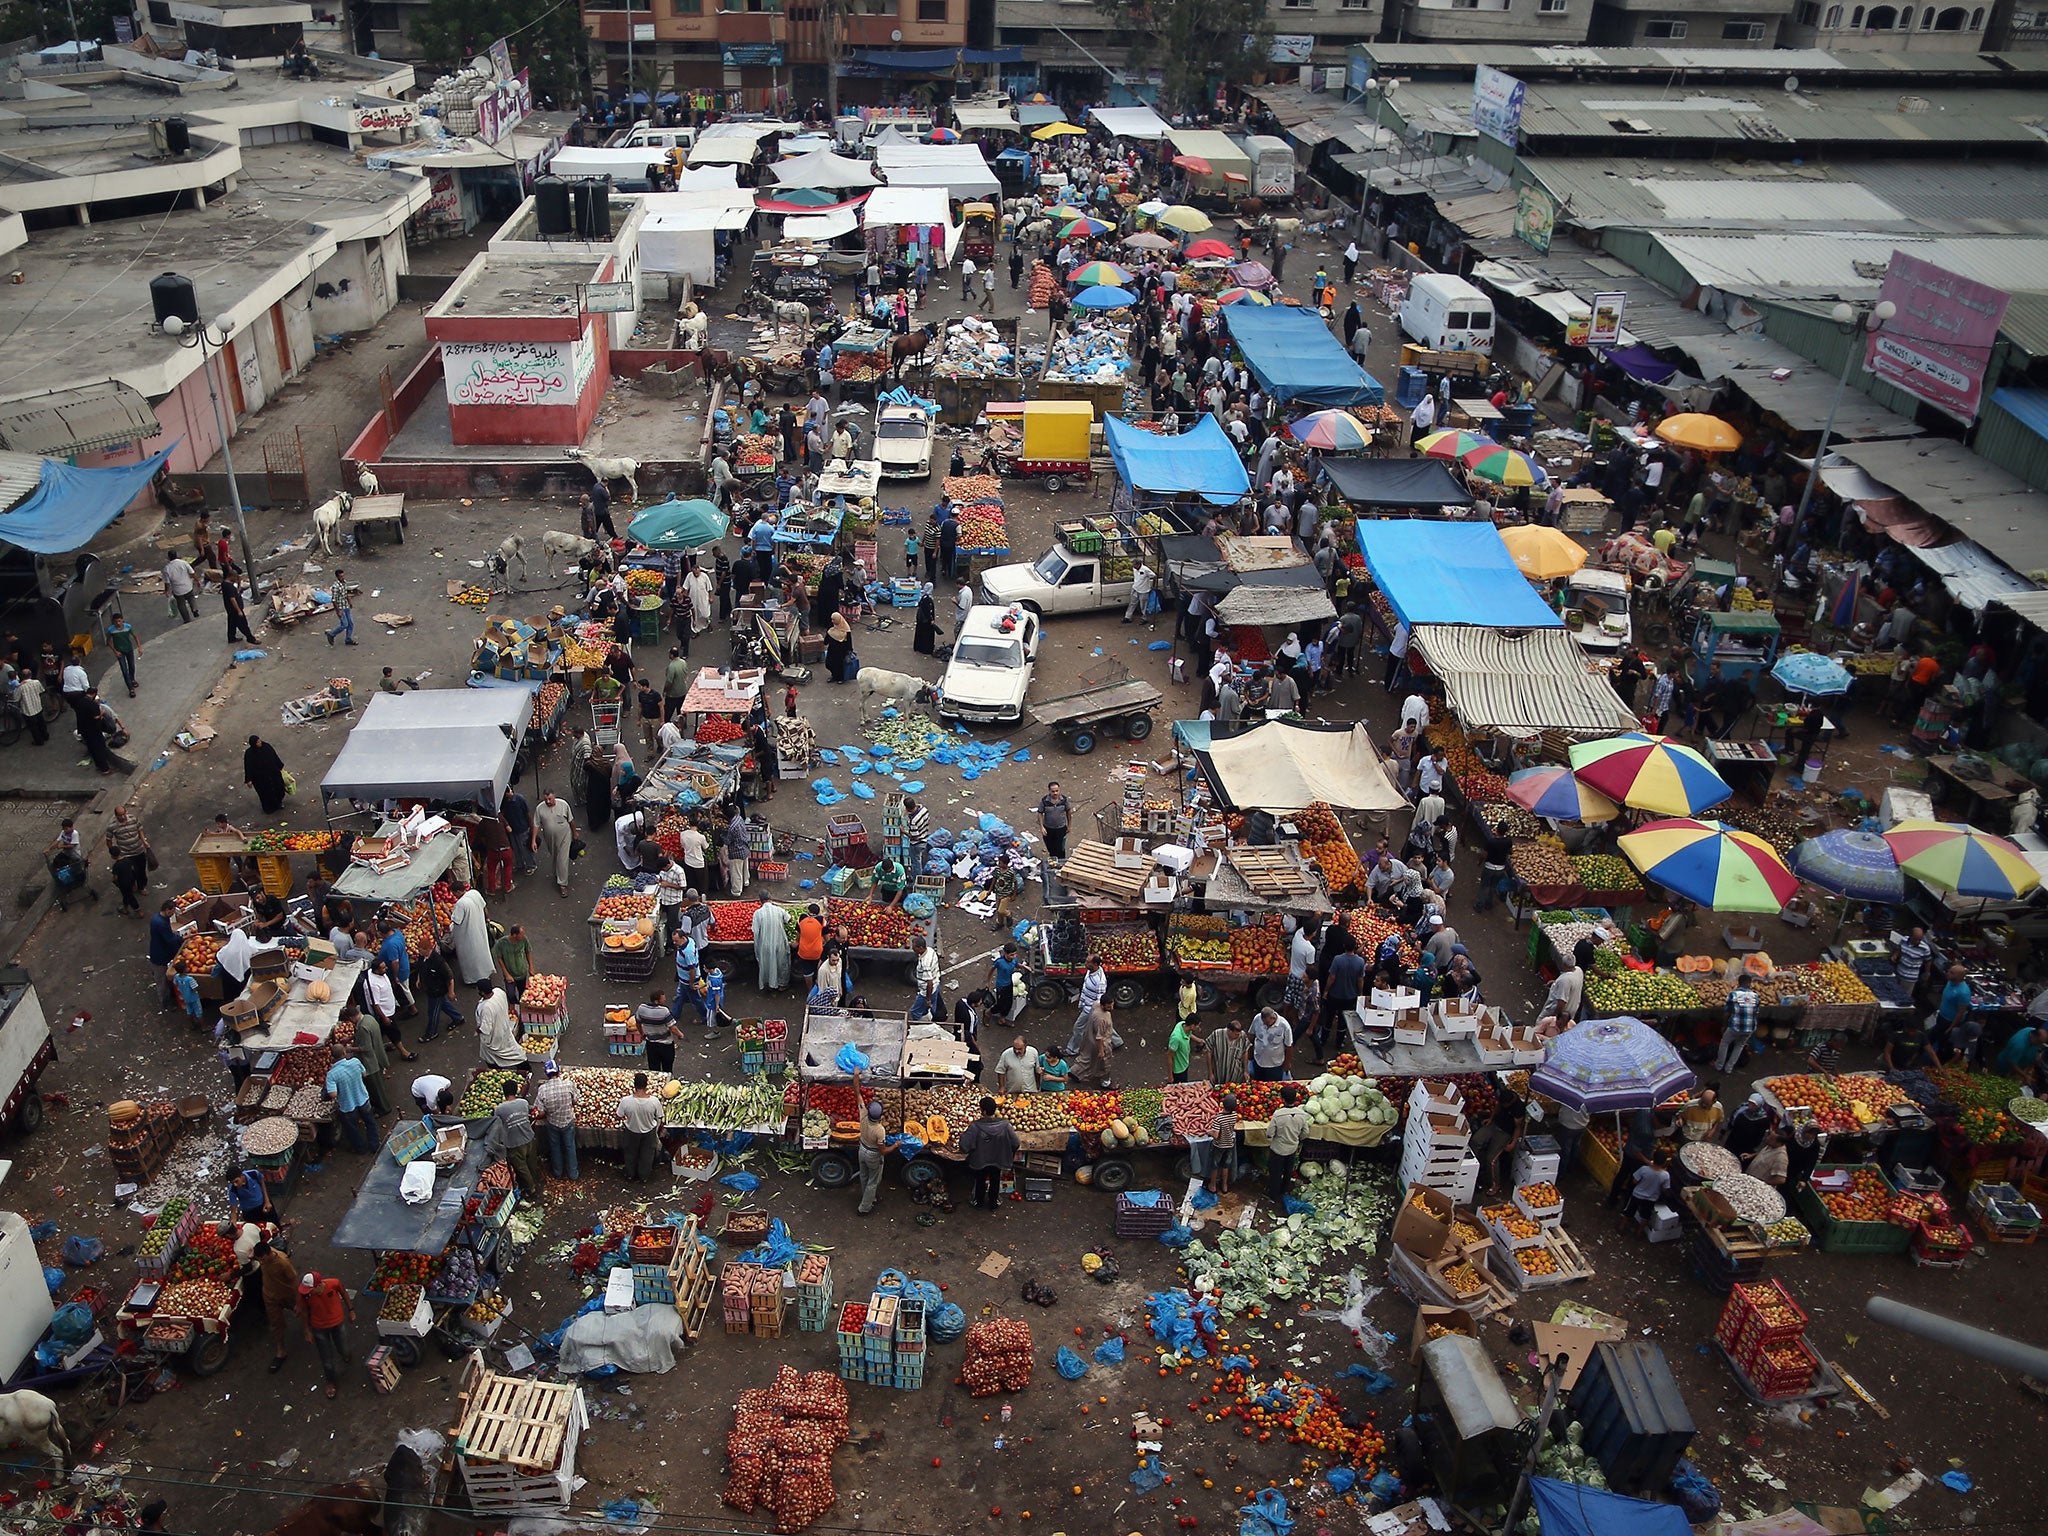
1611 1064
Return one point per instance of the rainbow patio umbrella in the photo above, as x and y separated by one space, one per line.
1954 856
1552 791
1451 443
942 136
1088 274
1333 432
1607 1065
1066 213
1087 228
1712 863
1242 296
1650 773
1542 553
1503 466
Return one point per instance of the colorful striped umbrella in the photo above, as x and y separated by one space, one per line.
1087 228
1066 213
1542 553
1088 274
1712 863
1450 444
1858 865
1650 773
942 136
1331 431
1552 791
1954 856
1503 466
1241 296
1606 1065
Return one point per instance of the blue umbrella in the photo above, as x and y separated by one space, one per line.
1842 615
1105 296
667 99
1811 673
1858 865
679 525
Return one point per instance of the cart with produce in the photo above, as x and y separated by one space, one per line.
930 1115
1226 959
192 1286
1126 942
625 938
878 934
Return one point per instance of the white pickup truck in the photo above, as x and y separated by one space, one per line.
1058 581
990 672
26 1050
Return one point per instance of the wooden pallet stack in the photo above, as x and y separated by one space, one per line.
695 1284
515 1441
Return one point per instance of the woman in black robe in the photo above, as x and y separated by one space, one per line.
838 647
926 640
263 771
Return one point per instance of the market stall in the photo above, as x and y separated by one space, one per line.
1284 765
1395 487
445 745
267 852
400 867
1295 356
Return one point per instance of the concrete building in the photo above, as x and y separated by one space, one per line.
1073 48
268 206
1535 22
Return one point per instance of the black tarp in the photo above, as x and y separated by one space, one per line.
1395 483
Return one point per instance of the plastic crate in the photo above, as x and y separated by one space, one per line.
1832 1236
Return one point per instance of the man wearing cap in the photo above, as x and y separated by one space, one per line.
325 1310
872 1139
1442 942
511 1137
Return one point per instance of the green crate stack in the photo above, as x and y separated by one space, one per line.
814 1295
853 1364
1834 1236
910 1345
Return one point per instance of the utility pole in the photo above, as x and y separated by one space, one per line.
828 19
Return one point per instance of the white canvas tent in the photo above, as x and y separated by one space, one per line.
686 239
449 744
891 207
733 143
972 117
1281 766
1132 122
958 169
624 165
1221 154
822 168
829 225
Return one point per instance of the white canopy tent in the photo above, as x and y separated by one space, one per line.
822 168
449 744
890 207
957 169
1281 766
820 226
686 239
629 165
1132 122
733 143
970 118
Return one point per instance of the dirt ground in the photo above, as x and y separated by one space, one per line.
234 1452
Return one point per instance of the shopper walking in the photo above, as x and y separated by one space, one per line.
263 771
990 1145
128 846
232 603
640 1119
280 1278
554 837
1055 816
347 1086
344 616
126 647
183 587
325 1311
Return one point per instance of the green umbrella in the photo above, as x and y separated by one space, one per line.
679 525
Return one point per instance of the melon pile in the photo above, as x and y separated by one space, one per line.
1356 1100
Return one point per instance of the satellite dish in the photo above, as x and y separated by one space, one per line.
896 36
1791 84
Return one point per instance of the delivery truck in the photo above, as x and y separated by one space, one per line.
1272 168
26 1050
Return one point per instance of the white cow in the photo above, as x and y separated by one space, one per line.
607 470
31 1419
893 688
328 518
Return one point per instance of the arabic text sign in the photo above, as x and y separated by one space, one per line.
509 372
1937 347
1497 104
609 299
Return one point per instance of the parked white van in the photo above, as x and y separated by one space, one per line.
646 135
1447 314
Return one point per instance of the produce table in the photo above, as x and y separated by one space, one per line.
1439 1058
299 1017
430 861
869 923
710 695
809 525
694 773
378 1219
214 853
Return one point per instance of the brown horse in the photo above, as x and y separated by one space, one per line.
911 345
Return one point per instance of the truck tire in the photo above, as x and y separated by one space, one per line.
1047 993
28 1114
921 1171
1113 1175
1082 743
832 1170
1184 1167
1137 727
210 1352
1207 998
1125 994
1055 483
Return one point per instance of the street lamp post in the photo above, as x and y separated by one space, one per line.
1852 323
201 335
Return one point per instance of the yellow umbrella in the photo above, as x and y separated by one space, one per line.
1189 221
1543 554
1708 434
967 208
1056 131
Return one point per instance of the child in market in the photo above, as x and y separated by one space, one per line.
1223 1151
187 986
911 551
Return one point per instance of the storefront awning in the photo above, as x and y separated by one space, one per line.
1131 122
1521 681
1394 482
70 504
68 421
1970 494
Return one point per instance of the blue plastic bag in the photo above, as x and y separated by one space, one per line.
746 1183
1266 1515
1205 1200
1160 645
72 1325
1177 1236
79 1250
946 1324
1110 1351
1298 1207
850 1058
1375 1382
1385 1487
1341 1479
54 1279
1070 1365
862 790
1147 1477
777 1250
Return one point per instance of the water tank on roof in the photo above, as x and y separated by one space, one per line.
177 136
170 294
594 209
551 208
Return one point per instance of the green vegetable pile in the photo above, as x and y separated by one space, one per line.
727 1106
1254 1270
909 736
486 1094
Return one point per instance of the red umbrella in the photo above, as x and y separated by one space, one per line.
1209 250
1193 163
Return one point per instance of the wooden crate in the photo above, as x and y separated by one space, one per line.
515 1440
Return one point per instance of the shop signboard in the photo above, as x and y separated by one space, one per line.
1497 104
1937 345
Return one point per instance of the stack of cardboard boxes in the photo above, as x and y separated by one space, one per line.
1436 1146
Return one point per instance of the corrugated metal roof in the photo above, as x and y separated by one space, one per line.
68 421
1848 264
1532 61
1482 215
1521 680
1803 397
2029 407
1971 575
20 474
2026 323
2031 606
1972 495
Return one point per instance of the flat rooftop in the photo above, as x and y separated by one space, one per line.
253 81
511 286
50 154
85 305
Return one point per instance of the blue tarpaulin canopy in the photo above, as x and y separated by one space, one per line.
1450 573
1294 356
1203 461
1573 1509
1639 362
70 505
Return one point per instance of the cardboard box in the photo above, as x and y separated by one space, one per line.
1439 1130
1424 1230
1401 997
1159 889
1457 1319
320 953
1431 1097
1131 853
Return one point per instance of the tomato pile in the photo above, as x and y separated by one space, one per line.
295 1069
1306 1414
869 924
998 1357
982 526
545 703
716 729
732 922
1092 1111
206 1256
279 840
1868 1198
396 1269
754 452
838 1100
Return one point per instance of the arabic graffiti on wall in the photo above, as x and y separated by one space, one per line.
509 372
